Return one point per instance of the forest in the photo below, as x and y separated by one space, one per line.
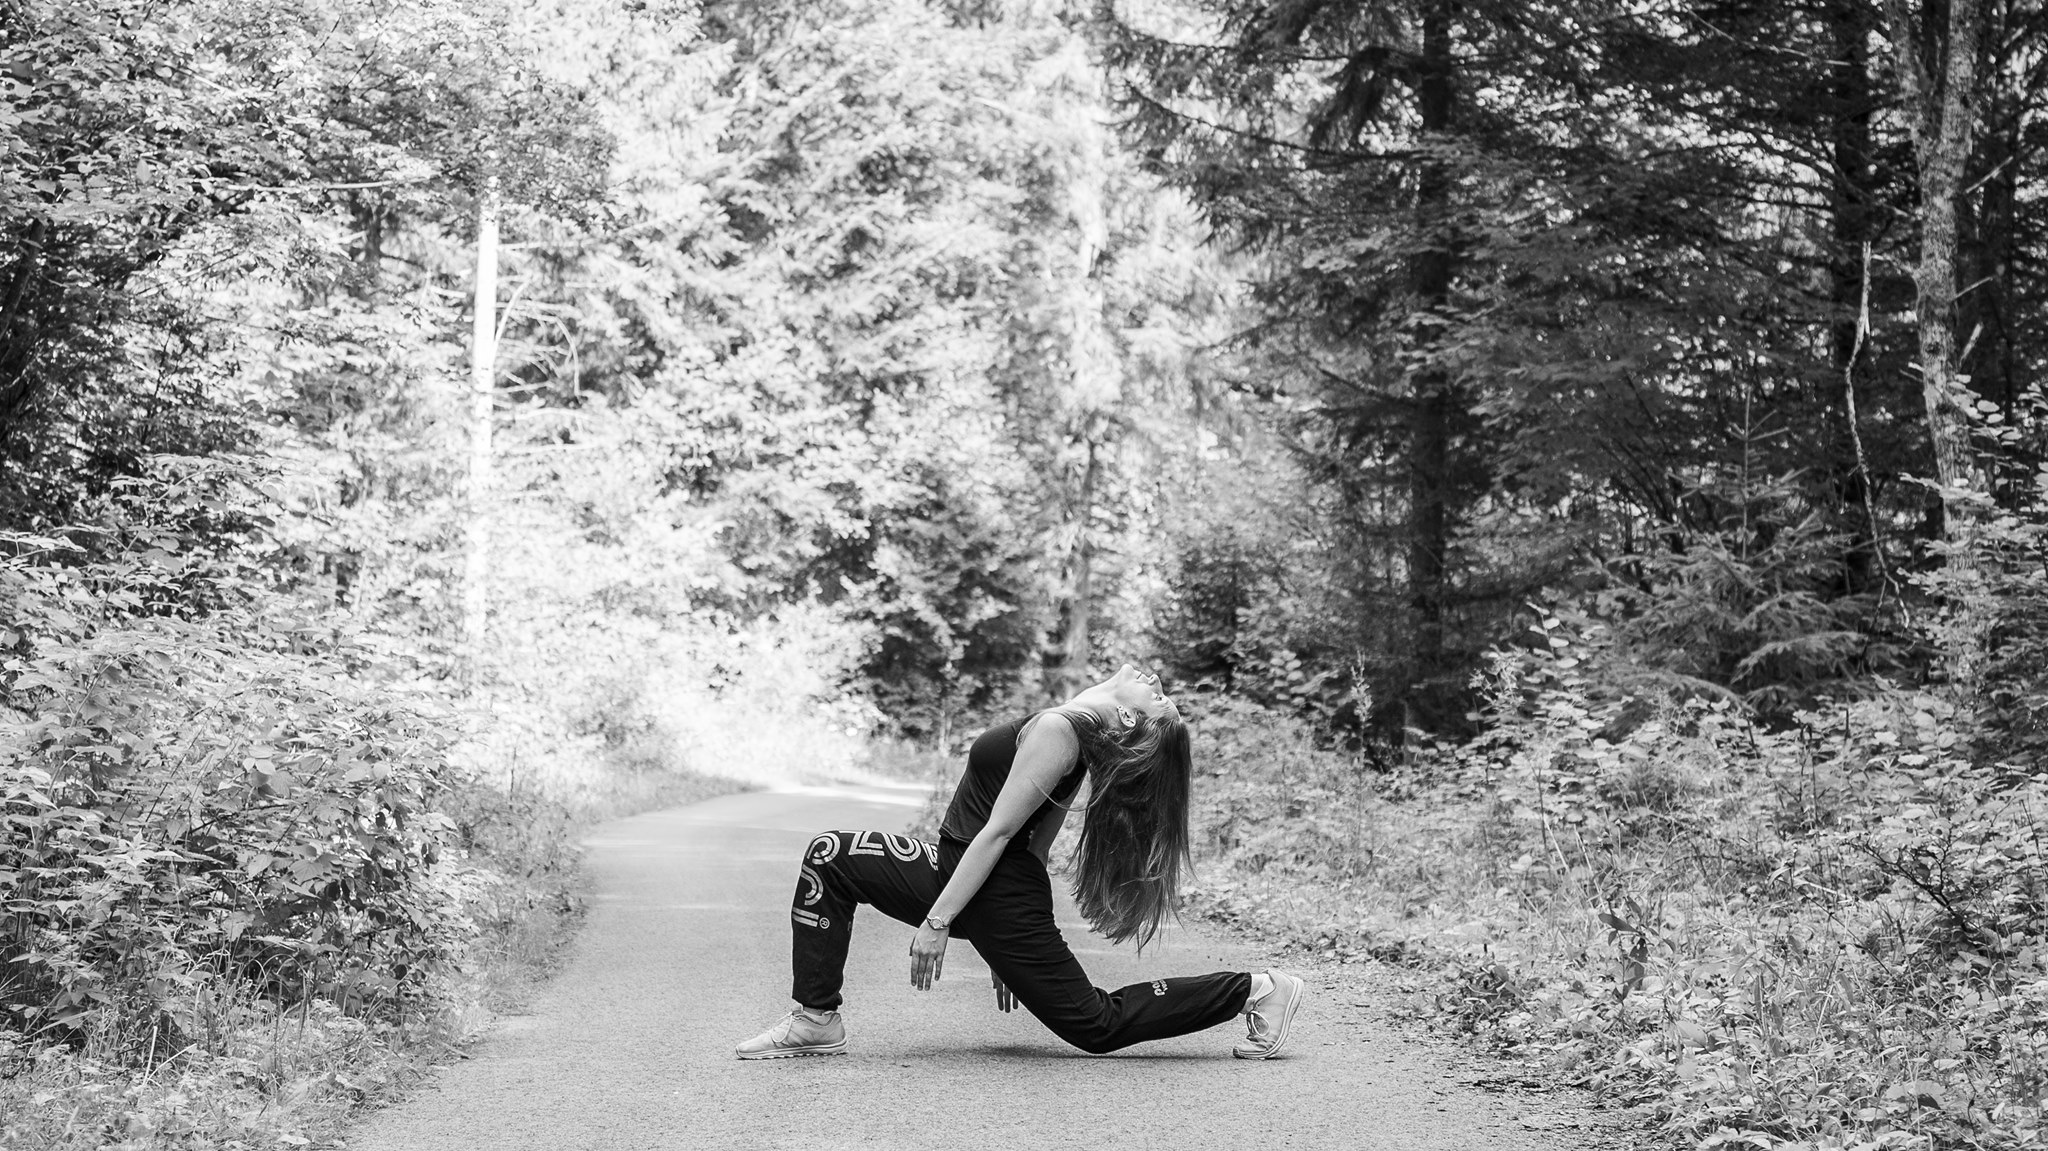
1582 465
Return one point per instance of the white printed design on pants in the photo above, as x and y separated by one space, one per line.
931 855
824 849
810 918
865 843
904 848
814 888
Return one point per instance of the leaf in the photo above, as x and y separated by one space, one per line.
1916 1090
1618 923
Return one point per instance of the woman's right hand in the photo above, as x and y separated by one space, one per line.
927 956
1004 1000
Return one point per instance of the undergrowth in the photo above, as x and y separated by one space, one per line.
262 861
1823 934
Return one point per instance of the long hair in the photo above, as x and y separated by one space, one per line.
1134 840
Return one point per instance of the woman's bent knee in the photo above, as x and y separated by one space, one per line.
1094 1036
1100 1047
825 848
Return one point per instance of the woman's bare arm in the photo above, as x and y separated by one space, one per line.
1045 752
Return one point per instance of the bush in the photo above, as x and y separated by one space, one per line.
1827 933
198 790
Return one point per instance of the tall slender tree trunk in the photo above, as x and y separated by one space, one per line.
1095 389
1937 71
1072 673
1938 78
483 357
1435 398
1850 218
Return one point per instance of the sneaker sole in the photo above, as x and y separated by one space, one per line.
1297 992
838 1048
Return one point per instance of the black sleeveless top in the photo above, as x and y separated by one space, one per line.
988 767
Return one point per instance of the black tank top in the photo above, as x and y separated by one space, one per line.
988 767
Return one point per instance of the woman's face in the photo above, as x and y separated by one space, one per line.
1138 691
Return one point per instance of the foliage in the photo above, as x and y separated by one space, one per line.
857 379
197 788
238 853
1541 283
1821 934
880 318
145 147
1238 619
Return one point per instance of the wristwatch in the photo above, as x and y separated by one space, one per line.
939 923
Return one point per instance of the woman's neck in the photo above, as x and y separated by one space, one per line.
1095 704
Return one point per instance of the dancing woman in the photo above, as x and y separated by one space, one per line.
985 881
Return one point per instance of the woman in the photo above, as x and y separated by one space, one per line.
985 881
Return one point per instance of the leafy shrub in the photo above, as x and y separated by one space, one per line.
1238 621
197 790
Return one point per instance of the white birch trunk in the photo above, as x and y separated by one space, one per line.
1095 389
483 348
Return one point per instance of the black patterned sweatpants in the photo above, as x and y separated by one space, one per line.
1009 922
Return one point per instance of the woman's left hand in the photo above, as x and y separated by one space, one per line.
927 956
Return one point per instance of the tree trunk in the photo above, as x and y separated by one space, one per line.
1095 390
373 217
1938 80
1072 674
1430 274
482 397
1851 219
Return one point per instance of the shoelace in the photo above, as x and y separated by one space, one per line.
789 1022
1255 1022
788 1027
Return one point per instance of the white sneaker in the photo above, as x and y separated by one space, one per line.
797 1034
1267 1017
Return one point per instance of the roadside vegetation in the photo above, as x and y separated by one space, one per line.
1821 933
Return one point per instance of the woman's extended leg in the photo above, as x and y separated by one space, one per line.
1011 924
840 871
895 874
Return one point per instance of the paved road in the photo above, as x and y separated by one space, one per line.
687 950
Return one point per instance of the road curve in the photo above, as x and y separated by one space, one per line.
687 951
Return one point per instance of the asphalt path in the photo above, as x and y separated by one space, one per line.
686 951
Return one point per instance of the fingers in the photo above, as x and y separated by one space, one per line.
925 966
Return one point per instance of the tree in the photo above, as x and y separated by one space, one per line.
483 387
1936 71
880 315
1671 240
1384 201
